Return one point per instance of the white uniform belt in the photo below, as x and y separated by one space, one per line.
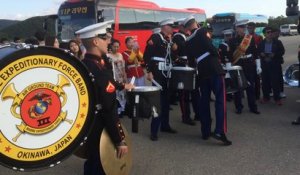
133 66
246 56
158 59
183 57
202 57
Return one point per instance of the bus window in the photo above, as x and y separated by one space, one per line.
145 19
162 15
106 14
127 19
200 17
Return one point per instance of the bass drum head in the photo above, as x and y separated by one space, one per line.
47 96
108 155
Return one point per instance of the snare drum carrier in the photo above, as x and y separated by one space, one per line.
46 97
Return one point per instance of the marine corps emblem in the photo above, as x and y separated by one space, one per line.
40 106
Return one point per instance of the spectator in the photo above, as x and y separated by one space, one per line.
271 52
118 65
40 36
134 59
74 47
276 34
4 41
51 41
17 39
32 41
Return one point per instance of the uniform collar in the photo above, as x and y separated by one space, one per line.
93 56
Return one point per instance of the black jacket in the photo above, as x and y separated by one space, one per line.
198 44
277 49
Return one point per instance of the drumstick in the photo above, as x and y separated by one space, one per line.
132 81
156 84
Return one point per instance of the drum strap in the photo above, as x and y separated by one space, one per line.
242 48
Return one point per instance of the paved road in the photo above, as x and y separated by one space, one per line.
263 144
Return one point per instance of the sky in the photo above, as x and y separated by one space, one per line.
22 9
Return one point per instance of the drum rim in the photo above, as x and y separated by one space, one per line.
86 128
235 68
185 68
151 89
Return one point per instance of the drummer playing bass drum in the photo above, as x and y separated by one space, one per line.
94 39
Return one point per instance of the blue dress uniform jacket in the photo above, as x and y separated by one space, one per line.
249 68
210 76
107 118
198 44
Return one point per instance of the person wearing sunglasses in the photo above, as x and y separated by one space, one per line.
271 52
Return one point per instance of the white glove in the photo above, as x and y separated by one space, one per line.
228 65
258 66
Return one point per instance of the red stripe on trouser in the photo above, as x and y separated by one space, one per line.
182 104
225 107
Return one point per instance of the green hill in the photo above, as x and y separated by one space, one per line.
5 23
23 29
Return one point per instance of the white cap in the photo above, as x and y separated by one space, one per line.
227 32
156 30
166 22
241 22
180 21
186 20
94 30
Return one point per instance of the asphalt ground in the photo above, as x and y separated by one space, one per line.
265 144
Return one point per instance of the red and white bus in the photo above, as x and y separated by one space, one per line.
133 18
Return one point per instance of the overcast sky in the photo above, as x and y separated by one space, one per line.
22 9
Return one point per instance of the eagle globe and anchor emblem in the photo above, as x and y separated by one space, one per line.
40 106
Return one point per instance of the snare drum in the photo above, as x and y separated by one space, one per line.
182 78
235 79
148 100
46 97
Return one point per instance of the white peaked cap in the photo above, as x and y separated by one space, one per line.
94 30
241 22
186 20
156 30
166 22
180 21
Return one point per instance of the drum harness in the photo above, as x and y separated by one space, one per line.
167 60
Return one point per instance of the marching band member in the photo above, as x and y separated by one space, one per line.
181 60
202 53
158 59
244 53
94 39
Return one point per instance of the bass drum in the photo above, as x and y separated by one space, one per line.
47 98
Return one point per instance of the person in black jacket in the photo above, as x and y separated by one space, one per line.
94 39
271 52
203 55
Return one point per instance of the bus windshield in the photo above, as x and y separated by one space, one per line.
75 16
219 27
70 26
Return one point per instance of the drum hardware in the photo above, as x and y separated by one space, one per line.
291 75
235 79
183 78
144 102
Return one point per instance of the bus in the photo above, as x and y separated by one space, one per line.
222 21
289 29
133 18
